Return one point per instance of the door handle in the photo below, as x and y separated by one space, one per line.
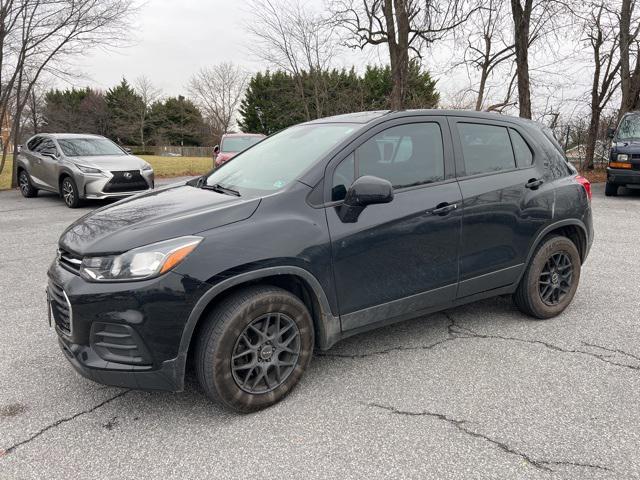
534 183
444 208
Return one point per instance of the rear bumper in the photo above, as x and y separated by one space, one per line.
623 177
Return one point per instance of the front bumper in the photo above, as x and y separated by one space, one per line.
96 186
125 334
621 176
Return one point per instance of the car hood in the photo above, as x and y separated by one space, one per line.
152 217
110 162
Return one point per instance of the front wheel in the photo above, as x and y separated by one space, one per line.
551 279
611 190
69 192
254 348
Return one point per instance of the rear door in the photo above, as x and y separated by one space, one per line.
33 161
400 257
47 162
500 173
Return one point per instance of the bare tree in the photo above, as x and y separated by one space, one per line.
488 45
292 36
38 36
218 91
149 94
602 34
630 74
405 26
521 26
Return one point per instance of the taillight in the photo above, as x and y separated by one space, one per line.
586 184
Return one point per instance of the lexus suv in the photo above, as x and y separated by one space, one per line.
317 233
624 158
79 167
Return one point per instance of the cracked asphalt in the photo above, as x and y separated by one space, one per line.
478 392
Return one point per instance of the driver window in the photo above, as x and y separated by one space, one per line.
47 147
406 155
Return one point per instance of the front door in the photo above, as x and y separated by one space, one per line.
402 257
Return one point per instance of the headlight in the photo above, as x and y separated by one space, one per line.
147 167
140 263
89 170
623 157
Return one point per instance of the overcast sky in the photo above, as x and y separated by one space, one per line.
172 39
175 38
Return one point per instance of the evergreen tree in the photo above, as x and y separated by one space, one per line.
273 100
176 121
123 104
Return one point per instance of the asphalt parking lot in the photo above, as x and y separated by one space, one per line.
475 392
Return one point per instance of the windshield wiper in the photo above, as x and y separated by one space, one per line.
220 189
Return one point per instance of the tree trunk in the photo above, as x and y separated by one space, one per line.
521 21
592 137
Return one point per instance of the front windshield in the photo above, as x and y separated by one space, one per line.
238 144
88 147
279 159
629 127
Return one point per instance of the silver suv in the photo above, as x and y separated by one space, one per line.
80 166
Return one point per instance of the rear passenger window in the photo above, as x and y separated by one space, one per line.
406 155
486 148
524 157
34 143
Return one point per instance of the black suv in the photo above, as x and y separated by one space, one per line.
624 157
319 232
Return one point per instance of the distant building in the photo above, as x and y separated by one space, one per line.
577 154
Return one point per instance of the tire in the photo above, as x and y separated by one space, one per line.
26 187
611 190
232 355
556 254
69 193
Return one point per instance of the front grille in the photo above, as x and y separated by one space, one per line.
69 261
118 343
60 308
126 181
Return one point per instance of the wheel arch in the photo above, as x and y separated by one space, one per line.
573 229
296 280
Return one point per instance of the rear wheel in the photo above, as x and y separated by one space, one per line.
551 279
254 348
611 189
26 187
69 192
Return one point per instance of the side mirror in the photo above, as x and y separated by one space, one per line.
216 149
127 150
611 132
365 191
19 148
49 154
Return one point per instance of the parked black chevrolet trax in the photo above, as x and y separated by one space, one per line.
322 231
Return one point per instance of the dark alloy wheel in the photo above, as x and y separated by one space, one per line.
556 278
551 279
253 348
26 187
69 192
266 353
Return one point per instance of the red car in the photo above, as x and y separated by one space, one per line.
233 143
